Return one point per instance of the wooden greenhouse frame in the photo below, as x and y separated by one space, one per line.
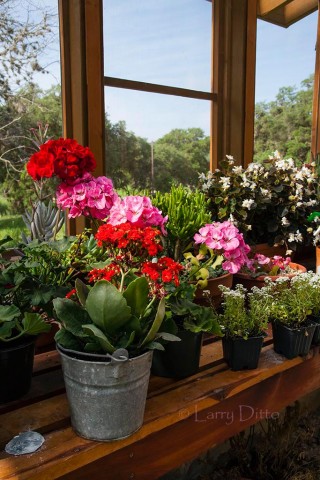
184 418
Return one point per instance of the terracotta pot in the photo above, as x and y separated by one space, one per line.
267 250
248 282
201 297
46 340
317 259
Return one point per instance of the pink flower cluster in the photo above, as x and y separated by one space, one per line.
261 263
225 239
87 196
139 211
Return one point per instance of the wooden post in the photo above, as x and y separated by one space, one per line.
82 80
233 80
315 130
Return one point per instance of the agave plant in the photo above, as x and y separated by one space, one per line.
43 222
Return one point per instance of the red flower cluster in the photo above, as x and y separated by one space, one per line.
64 158
106 273
164 270
136 241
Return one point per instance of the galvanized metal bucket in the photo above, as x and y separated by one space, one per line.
106 394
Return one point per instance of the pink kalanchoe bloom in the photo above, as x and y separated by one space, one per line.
89 196
139 211
261 259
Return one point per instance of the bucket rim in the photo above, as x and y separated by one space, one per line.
96 358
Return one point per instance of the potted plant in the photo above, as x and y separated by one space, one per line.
269 201
259 267
187 211
222 252
291 314
243 320
18 331
108 330
188 321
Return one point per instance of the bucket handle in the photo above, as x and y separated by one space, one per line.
119 356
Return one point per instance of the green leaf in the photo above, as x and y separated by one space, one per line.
100 337
136 295
68 340
156 346
107 307
9 312
71 315
6 330
156 323
34 324
168 337
82 291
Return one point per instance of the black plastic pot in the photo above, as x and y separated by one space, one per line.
292 342
316 335
180 359
241 354
16 363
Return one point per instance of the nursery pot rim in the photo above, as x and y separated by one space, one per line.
306 324
261 278
18 343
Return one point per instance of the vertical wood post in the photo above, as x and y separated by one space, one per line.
233 80
82 72
315 129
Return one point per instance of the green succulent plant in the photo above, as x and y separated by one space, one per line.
187 211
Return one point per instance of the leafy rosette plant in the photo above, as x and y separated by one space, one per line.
104 318
221 247
14 324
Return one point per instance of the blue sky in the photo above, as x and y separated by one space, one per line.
168 42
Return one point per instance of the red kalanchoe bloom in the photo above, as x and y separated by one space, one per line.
71 293
164 270
65 158
106 273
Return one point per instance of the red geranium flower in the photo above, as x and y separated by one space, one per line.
65 158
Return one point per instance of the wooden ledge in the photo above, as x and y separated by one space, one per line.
182 420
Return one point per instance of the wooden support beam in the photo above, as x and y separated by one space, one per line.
315 130
289 12
233 80
82 80
266 6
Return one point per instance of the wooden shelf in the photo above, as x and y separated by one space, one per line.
183 418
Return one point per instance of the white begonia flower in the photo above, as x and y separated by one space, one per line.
225 182
299 204
230 158
316 236
285 222
247 203
202 176
237 169
232 220
289 252
298 236
291 237
249 227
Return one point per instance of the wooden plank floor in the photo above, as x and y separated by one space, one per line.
182 419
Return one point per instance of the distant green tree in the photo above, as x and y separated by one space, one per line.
179 157
285 123
21 113
127 157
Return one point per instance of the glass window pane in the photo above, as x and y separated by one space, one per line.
165 42
174 129
284 88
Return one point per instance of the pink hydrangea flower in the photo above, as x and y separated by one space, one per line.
225 239
89 196
139 211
